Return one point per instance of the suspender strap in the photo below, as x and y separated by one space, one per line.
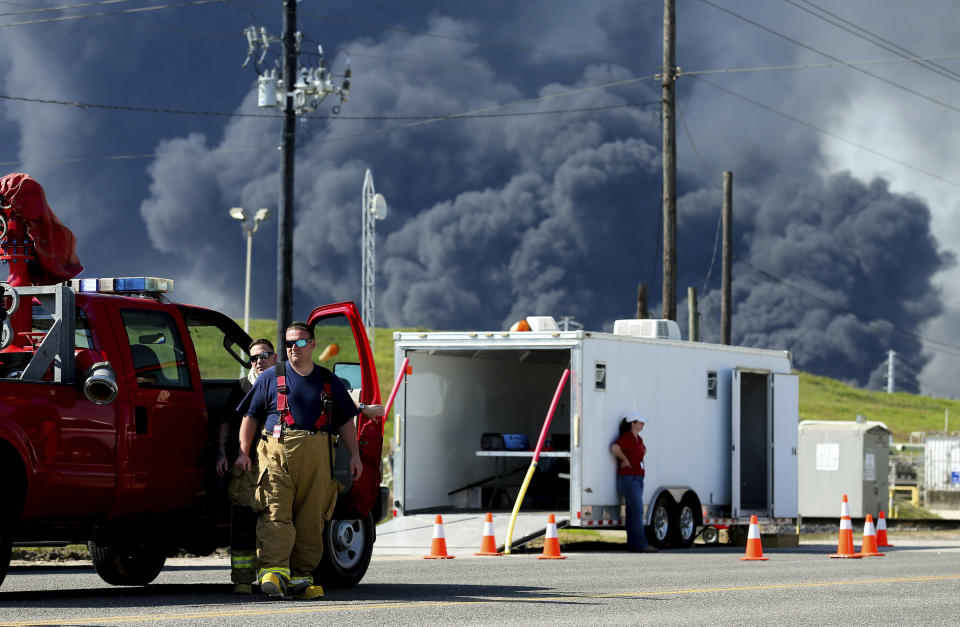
282 390
324 418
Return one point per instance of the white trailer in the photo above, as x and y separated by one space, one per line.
721 437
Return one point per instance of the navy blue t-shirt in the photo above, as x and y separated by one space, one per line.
304 399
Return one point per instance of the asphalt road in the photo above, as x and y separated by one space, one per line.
916 583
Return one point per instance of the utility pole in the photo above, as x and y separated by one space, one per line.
287 158
725 279
693 315
667 81
299 90
642 301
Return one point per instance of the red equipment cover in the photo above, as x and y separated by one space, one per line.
54 243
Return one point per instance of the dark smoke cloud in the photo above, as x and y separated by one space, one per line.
495 219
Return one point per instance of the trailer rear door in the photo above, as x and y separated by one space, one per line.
786 399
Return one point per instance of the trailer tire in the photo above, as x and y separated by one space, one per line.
683 525
710 535
347 549
127 562
661 521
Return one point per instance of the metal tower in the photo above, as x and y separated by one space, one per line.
374 208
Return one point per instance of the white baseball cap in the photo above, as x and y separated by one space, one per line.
637 417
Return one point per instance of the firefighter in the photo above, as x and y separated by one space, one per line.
243 516
302 406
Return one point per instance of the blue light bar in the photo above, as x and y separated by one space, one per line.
123 285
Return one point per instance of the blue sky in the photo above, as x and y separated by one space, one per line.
548 203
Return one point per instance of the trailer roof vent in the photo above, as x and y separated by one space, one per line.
657 329
542 323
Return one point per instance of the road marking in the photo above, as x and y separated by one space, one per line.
303 609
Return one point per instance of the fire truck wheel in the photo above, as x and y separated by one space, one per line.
127 563
660 521
683 525
347 548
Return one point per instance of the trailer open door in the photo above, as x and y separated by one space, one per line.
750 430
785 400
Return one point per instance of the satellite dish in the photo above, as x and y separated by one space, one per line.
379 206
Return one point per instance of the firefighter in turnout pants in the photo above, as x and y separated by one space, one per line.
301 406
240 490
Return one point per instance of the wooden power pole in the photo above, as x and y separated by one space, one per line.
668 79
725 280
693 315
287 157
642 301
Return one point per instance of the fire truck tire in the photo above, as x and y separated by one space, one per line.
127 563
661 520
683 525
347 548
11 502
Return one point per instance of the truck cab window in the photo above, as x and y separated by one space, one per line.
219 355
337 351
156 348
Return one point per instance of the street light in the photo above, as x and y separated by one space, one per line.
237 213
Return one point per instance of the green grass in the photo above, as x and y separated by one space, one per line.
826 399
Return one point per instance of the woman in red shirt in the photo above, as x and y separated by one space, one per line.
629 451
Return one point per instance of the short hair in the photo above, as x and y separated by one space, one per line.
300 326
261 340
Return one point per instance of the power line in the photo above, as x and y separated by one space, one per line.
88 105
65 18
478 42
814 66
880 42
833 58
828 133
63 7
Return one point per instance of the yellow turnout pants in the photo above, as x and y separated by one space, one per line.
296 494
243 524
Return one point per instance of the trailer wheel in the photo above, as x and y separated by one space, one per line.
127 562
660 521
347 549
710 535
683 525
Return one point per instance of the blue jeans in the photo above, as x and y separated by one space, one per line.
631 488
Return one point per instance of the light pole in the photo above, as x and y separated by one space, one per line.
237 213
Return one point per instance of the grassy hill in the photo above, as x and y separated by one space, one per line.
820 398
826 399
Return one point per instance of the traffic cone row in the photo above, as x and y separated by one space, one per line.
845 540
488 542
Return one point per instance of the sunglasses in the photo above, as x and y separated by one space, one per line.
264 355
300 343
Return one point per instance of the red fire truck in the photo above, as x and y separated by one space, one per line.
110 401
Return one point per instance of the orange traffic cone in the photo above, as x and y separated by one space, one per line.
882 531
869 548
754 546
845 540
438 548
488 544
551 544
